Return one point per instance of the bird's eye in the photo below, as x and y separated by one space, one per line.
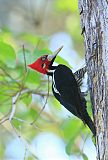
43 58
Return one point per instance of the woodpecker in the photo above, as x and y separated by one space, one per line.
65 86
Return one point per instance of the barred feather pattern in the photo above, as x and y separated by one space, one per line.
79 75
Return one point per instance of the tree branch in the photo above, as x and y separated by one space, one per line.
43 106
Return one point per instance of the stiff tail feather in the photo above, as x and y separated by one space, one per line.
91 125
86 118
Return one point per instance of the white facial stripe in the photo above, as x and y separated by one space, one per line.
50 71
55 90
54 86
44 65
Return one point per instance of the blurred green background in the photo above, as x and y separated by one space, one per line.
29 29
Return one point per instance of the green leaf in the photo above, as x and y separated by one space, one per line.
26 98
71 129
28 56
67 5
72 148
94 140
5 103
37 53
55 104
17 73
84 156
7 54
9 89
60 60
32 79
31 38
24 112
75 29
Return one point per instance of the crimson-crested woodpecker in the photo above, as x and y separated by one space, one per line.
65 86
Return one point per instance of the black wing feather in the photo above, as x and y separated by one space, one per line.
70 95
67 86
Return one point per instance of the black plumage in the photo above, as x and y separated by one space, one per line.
66 89
65 86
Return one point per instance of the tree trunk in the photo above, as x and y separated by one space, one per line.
94 22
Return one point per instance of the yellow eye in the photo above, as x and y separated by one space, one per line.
44 58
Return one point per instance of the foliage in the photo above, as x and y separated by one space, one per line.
18 87
23 92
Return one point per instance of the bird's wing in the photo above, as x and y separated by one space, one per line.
70 95
68 88
79 75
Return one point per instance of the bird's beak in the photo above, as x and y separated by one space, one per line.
54 54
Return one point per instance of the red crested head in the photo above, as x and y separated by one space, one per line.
41 64
44 63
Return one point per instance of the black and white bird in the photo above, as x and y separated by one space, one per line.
65 86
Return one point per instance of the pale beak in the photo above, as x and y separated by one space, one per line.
54 54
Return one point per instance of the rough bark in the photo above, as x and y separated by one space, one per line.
94 23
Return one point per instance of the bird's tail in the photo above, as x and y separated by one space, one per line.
90 124
86 118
